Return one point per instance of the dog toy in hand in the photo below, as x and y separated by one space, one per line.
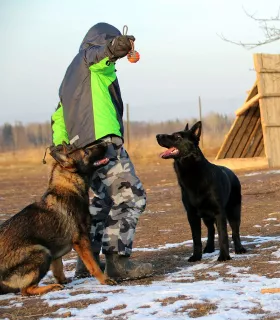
133 56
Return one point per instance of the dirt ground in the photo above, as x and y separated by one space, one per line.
164 221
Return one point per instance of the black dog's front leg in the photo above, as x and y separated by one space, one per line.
195 223
223 236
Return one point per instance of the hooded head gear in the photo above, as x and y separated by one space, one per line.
99 35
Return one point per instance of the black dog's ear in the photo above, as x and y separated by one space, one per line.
187 127
196 129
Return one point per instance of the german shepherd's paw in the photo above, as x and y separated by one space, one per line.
35 290
110 282
195 258
57 287
223 257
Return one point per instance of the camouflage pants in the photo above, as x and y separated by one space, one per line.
119 200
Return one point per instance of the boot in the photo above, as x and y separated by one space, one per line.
82 271
121 268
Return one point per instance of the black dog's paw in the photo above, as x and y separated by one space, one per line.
223 257
240 250
195 258
209 249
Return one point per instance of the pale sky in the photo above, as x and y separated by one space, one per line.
182 56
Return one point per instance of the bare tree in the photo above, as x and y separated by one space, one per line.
8 137
269 26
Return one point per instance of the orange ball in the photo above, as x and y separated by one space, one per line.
133 56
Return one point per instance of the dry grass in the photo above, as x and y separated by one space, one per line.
143 150
22 157
35 308
197 310
110 310
170 300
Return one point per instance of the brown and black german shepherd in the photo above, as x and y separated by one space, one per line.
37 237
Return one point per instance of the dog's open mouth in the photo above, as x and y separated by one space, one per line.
169 153
101 162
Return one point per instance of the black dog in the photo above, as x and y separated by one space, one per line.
210 192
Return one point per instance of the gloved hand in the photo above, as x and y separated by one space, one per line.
119 47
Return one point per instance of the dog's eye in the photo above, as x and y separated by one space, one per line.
86 151
178 136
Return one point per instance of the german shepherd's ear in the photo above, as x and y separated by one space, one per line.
196 129
187 127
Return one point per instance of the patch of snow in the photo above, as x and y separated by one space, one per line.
237 270
252 174
213 274
273 172
276 253
234 297
237 297
262 172
269 248
165 247
69 261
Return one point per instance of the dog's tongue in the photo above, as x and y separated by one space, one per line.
101 162
168 152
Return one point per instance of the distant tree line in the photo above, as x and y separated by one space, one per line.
19 136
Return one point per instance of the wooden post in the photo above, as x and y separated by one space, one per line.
200 119
127 127
252 102
268 76
15 134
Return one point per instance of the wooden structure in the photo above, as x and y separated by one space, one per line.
255 133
